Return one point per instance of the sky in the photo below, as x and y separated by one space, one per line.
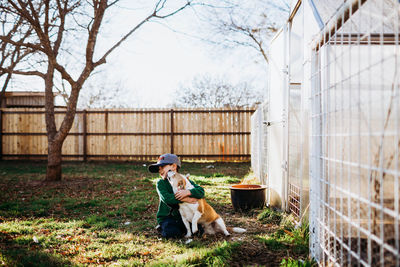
161 57
158 59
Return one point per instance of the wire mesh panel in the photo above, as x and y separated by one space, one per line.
355 140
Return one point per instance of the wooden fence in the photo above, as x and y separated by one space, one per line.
131 134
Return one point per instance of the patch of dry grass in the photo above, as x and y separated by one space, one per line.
104 213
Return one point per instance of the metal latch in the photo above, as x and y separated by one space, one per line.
285 165
269 123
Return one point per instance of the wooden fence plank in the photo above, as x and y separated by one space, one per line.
134 134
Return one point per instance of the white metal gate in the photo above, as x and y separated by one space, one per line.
355 140
259 139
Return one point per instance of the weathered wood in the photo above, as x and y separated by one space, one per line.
85 135
134 134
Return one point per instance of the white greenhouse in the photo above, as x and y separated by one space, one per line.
326 141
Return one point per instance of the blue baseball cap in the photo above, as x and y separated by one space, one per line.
163 160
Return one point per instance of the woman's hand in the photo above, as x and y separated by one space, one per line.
181 194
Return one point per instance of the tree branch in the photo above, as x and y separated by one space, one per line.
102 60
27 73
33 20
64 73
260 47
8 40
62 13
94 30
188 3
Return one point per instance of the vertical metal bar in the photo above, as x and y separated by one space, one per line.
349 168
318 157
326 150
382 155
397 140
342 149
359 131
314 244
334 137
321 185
84 135
285 203
172 131
300 134
287 121
370 162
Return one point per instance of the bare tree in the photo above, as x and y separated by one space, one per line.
55 25
216 92
11 56
248 24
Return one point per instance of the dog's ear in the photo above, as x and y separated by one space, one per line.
182 184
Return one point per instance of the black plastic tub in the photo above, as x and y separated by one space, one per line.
247 196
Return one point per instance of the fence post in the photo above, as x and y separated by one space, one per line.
172 131
84 135
1 134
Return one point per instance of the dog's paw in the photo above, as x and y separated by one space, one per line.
194 230
188 235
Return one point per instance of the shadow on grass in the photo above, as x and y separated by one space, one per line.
96 202
14 254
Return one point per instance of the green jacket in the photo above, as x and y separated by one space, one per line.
169 205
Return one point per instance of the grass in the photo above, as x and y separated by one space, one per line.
270 216
104 213
287 236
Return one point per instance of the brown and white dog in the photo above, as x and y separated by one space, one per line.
200 212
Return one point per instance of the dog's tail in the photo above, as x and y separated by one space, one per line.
236 230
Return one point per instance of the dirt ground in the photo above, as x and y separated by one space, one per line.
251 252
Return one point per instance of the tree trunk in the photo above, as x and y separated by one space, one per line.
54 161
3 91
53 172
